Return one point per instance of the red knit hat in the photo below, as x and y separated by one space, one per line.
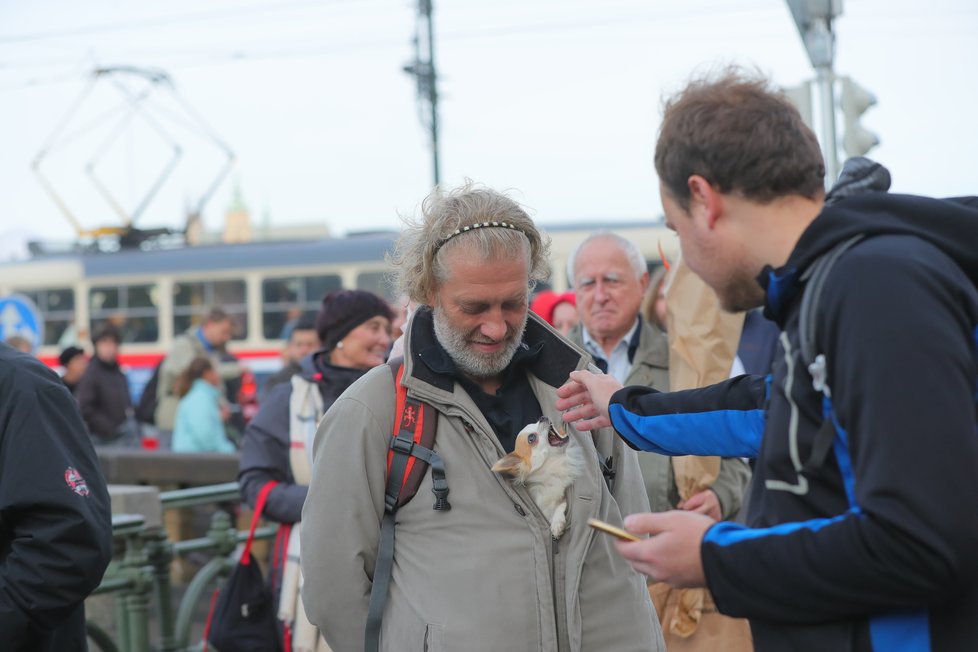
545 302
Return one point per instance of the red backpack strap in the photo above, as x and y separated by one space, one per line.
411 453
255 517
412 447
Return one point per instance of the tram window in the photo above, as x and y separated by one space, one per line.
57 308
141 296
375 282
286 299
280 290
103 298
318 287
132 309
192 301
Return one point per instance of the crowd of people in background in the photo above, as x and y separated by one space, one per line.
864 542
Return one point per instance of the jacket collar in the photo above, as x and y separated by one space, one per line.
315 368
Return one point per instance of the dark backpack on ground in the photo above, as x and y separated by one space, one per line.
411 453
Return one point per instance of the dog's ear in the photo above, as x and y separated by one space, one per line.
508 466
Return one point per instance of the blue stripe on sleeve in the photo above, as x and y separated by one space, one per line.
840 445
728 533
897 631
727 433
901 631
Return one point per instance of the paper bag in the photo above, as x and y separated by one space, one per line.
703 338
703 341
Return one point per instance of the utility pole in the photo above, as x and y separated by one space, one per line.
424 72
814 21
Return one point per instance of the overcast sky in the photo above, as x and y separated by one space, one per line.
557 100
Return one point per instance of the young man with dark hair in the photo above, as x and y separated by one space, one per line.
862 521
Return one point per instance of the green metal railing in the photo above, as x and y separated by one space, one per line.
141 575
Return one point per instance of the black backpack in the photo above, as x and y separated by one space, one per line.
243 613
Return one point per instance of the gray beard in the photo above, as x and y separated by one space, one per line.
469 361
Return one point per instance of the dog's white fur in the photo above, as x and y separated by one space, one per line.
546 470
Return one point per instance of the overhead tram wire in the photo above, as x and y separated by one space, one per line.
183 19
318 50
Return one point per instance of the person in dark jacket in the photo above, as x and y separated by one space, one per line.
361 317
870 546
55 522
103 394
354 328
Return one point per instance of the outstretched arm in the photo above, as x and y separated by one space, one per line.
725 419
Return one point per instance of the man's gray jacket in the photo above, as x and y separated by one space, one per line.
486 575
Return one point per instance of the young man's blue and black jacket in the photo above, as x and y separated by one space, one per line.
876 548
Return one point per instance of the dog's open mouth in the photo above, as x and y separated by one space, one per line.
555 439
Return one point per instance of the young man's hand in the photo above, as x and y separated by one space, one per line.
672 553
584 399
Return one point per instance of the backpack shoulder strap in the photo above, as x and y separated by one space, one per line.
412 448
815 278
411 453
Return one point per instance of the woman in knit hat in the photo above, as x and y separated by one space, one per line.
354 329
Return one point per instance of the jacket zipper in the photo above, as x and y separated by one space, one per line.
556 584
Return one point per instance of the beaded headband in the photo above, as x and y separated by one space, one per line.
478 225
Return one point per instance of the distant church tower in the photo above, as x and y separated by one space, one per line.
237 221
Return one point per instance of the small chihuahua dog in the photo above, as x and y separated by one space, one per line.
546 462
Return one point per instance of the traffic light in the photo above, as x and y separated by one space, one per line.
854 101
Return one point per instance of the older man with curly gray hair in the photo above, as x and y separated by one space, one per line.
486 574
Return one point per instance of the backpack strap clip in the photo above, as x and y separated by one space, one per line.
406 446
819 373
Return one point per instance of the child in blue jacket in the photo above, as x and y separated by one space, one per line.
199 426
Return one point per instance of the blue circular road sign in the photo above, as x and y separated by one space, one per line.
20 317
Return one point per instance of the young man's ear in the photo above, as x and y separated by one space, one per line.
705 198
